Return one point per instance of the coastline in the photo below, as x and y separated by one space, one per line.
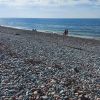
51 32
55 33
48 66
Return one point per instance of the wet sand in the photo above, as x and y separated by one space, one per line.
41 66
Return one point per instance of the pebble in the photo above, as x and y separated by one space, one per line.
20 97
35 92
52 93
44 97
53 81
62 91
42 86
76 94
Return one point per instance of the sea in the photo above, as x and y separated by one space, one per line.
86 28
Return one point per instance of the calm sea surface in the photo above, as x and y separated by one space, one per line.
76 27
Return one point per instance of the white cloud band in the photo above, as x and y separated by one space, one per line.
49 2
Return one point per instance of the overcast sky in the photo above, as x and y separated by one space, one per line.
50 8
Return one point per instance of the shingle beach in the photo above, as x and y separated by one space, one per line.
41 66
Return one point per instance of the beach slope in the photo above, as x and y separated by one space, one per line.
41 66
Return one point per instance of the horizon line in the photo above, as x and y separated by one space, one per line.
48 18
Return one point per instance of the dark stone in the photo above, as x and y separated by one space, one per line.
17 34
76 70
76 90
21 87
84 98
40 92
32 61
57 66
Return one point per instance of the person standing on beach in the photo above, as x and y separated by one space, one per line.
66 32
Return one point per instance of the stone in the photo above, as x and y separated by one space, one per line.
53 81
98 99
76 94
52 93
44 97
62 91
35 92
57 97
42 86
20 97
84 98
76 70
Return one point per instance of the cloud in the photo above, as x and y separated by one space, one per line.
49 2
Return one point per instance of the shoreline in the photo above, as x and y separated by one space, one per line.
53 33
50 32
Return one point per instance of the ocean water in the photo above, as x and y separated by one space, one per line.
77 27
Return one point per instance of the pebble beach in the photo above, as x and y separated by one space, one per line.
41 66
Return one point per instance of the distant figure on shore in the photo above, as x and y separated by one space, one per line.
34 30
66 32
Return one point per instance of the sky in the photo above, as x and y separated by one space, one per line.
50 8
